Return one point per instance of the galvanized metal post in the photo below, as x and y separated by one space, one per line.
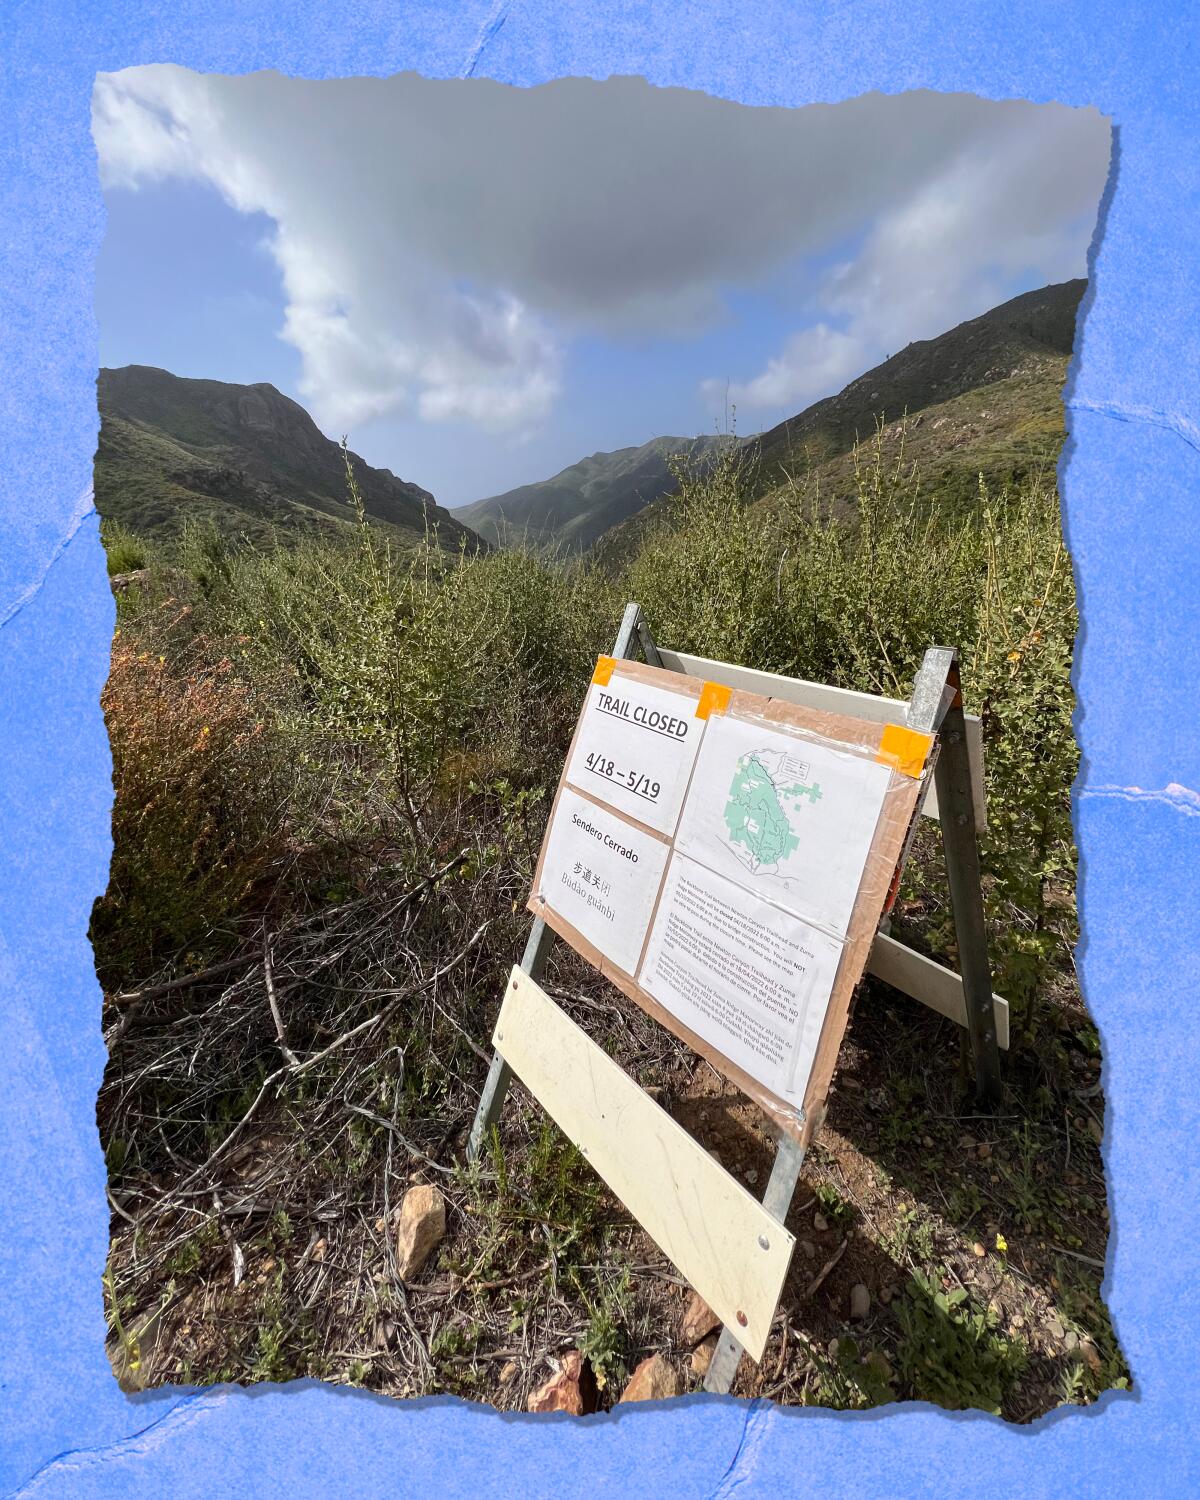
491 1101
781 1185
541 938
937 708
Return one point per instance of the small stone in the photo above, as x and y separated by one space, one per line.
1070 1339
927 1141
697 1322
966 1143
860 1302
1096 1131
984 1151
507 1371
807 1249
820 1223
702 1356
1055 1328
885 1295
1090 1356
977 1249
421 1229
752 1176
572 1389
653 1380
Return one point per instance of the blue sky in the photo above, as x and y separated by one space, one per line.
481 285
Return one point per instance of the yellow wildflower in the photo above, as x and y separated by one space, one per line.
1001 1244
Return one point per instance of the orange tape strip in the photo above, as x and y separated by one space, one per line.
714 699
905 749
605 666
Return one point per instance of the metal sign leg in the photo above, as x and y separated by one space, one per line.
953 780
541 938
937 708
785 1173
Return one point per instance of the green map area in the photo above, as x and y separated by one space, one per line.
757 810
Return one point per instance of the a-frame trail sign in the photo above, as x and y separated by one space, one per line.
725 846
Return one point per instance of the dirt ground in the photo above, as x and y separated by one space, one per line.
979 1240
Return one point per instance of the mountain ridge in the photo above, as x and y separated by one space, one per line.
575 507
247 457
982 398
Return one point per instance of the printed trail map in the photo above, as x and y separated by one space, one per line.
768 789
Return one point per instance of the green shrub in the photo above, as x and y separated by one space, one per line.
126 552
951 1352
412 688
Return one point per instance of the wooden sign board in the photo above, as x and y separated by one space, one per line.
718 1234
725 859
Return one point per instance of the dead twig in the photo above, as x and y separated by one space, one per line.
273 1002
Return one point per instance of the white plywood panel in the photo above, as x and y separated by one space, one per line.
931 983
720 1237
831 700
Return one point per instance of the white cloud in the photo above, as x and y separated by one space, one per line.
440 243
1017 200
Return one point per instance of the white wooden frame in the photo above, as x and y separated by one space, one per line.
918 977
734 1250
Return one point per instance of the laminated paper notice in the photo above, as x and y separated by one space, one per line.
635 749
789 818
602 875
749 978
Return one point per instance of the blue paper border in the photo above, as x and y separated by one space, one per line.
1131 468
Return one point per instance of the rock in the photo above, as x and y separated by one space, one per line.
508 1371
572 1389
121 583
860 1302
977 1249
984 1151
702 1355
653 1380
698 1320
752 1176
421 1229
820 1223
807 1249
1070 1340
1090 1356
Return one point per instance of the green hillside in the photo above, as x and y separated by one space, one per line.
244 457
577 506
984 398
